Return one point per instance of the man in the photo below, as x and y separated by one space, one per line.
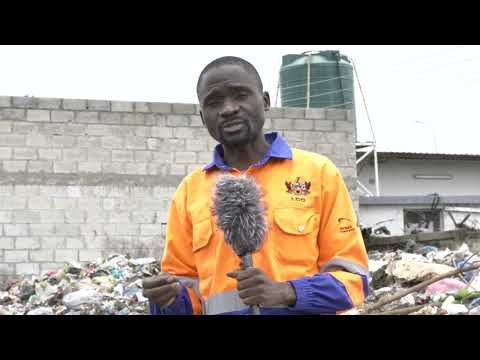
313 260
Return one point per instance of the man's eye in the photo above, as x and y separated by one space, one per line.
213 102
242 94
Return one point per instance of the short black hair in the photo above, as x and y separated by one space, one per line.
231 60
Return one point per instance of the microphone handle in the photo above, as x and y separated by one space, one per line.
247 262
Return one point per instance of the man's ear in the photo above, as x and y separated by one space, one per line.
201 117
266 100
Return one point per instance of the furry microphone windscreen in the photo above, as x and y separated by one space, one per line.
240 213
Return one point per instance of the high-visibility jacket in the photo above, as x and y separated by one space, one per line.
313 240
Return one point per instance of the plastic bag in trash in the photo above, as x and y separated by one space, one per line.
81 297
445 286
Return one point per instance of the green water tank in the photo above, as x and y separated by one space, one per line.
330 80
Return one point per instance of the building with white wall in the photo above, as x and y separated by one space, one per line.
426 191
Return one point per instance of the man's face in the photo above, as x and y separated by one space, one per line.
233 106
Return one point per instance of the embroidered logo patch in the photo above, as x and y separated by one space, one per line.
345 225
299 189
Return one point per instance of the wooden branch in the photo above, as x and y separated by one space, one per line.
402 311
420 286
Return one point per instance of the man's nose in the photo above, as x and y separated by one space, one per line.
229 108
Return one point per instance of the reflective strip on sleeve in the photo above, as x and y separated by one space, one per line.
223 303
227 302
345 264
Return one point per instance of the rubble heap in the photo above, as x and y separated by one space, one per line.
113 285
394 271
109 286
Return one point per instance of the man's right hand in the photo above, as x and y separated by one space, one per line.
161 289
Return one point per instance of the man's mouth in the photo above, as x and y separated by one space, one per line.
232 126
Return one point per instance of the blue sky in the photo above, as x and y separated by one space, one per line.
414 93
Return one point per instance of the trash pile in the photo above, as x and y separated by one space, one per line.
400 283
109 286
410 273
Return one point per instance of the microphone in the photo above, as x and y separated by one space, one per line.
240 215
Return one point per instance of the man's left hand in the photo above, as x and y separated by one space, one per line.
256 288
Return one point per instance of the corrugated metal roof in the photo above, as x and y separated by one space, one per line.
419 200
424 155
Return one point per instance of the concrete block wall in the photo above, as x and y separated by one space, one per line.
80 179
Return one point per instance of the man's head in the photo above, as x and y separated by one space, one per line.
232 101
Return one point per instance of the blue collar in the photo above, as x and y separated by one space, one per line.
278 149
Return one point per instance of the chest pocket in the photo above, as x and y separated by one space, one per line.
295 236
202 247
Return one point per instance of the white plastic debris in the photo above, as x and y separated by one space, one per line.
374 265
137 283
44 291
41 311
142 261
81 297
118 290
4 295
455 309
140 297
383 290
441 255
439 297
408 300
414 257
449 300
462 252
